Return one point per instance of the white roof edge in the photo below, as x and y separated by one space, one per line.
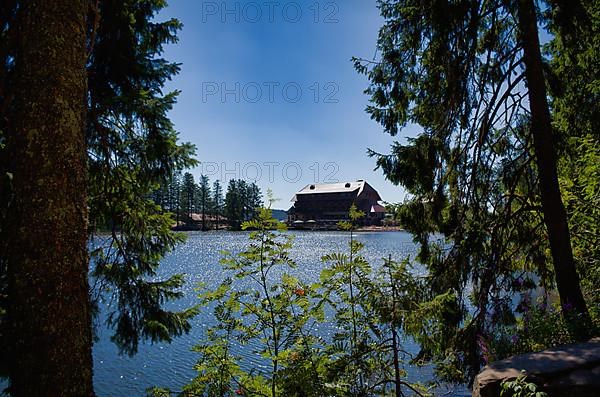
337 187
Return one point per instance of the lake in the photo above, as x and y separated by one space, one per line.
171 365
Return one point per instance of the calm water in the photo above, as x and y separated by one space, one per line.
171 365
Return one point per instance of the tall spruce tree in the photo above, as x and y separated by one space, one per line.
574 81
217 200
188 195
132 148
204 199
233 205
253 201
483 171
44 230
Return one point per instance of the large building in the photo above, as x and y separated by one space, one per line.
324 205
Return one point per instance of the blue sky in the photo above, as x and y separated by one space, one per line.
269 92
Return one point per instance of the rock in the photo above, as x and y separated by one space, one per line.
569 370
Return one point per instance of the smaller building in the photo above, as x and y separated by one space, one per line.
326 204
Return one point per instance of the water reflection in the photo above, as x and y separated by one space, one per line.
171 365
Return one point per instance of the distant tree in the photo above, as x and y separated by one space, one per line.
217 200
204 199
168 196
45 229
253 201
483 171
241 187
174 192
188 195
241 202
234 205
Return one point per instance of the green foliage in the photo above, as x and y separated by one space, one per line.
520 388
456 70
217 366
217 200
371 313
133 148
204 203
260 306
575 87
539 326
271 314
356 355
242 201
188 196
158 392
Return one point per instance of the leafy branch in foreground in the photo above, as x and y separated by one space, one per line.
520 387
261 308
369 312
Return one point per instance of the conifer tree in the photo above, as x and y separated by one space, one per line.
188 195
217 200
233 205
48 319
482 172
204 199
132 148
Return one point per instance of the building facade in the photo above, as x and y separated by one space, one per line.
323 205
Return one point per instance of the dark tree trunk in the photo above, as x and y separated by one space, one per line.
49 307
555 215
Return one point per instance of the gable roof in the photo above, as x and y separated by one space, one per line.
341 187
333 187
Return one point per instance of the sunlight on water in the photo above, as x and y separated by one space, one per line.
171 365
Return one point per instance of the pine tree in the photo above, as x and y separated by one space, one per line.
204 199
217 200
253 201
132 149
233 205
483 170
188 196
48 311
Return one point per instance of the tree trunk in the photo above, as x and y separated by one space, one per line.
49 306
555 215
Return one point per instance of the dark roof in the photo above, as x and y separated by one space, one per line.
340 187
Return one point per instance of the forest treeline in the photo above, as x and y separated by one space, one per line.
206 206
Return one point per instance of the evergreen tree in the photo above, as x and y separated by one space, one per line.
44 231
204 199
575 74
233 205
132 149
217 201
243 195
188 196
483 171
254 201
175 197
